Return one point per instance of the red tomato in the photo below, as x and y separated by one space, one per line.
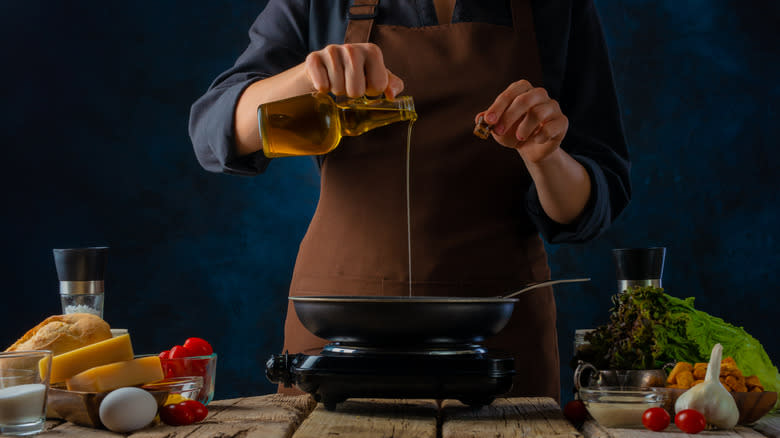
173 368
198 409
178 352
165 354
690 421
175 365
575 411
656 419
177 415
198 347
198 366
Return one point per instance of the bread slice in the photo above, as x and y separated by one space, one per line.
63 333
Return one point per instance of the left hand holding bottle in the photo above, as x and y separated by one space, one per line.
525 118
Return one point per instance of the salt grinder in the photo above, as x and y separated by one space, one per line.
81 273
639 267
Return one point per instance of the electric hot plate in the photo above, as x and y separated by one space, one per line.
464 372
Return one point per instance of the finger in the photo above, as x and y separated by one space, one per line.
334 64
395 85
355 79
534 117
318 74
502 102
551 130
518 109
375 71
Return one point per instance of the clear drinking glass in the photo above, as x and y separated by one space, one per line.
24 382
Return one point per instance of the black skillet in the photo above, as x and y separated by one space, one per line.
408 321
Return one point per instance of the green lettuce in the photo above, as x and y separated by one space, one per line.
707 330
648 329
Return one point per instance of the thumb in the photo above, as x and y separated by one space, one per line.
395 85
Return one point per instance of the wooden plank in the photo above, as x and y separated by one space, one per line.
769 425
748 432
72 430
222 430
51 424
372 418
268 408
506 417
271 416
592 429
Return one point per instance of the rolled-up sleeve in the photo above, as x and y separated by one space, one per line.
277 42
595 137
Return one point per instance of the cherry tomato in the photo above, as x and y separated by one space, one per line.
656 419
177 415
690 421
173 368
198 366
179 351
198 409
575 411
198 347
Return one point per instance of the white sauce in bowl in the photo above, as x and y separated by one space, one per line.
623 412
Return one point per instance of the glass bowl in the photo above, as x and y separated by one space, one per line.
616 406
204 367
187 387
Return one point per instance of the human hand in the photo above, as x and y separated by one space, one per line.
525 118
352 69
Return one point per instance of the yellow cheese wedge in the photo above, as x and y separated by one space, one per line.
67 365
117 375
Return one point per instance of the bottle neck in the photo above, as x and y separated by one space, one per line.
402 103
363 114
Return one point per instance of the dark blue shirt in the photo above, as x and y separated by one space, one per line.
574 61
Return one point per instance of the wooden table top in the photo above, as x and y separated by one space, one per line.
278 416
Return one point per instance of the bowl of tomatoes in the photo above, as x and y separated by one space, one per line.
195 357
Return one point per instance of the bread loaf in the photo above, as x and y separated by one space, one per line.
63 333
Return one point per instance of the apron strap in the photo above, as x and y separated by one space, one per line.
360 20
523 23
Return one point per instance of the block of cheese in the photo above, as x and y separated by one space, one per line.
67 365
117 375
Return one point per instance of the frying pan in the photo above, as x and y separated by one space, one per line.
395 321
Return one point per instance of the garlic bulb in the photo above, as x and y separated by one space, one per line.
710 397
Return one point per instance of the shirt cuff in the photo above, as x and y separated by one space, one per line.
593 220
224 140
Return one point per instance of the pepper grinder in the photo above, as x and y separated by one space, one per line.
81 273
639 267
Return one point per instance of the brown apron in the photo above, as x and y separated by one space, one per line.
470 235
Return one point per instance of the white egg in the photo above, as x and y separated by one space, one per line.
127 409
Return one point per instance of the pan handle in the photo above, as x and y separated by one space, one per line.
539 284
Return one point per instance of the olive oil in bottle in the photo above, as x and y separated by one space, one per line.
313 124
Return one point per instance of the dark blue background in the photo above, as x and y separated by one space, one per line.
94 102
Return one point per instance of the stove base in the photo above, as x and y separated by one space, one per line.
474 380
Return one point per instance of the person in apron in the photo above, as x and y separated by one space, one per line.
471 231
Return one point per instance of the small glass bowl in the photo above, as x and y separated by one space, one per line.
204 367
613 406
187 387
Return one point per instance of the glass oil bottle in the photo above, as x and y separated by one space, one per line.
313 124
